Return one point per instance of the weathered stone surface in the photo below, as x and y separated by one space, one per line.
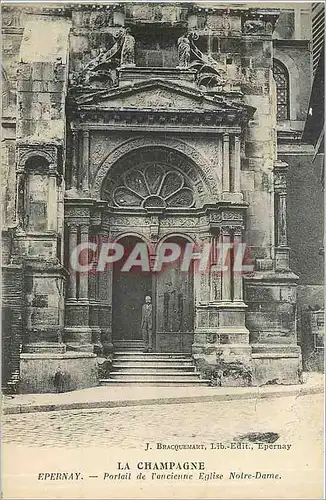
38 372
219 136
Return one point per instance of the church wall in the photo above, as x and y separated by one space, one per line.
80 34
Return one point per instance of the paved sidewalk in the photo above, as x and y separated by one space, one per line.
110 397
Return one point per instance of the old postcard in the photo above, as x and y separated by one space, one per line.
162 250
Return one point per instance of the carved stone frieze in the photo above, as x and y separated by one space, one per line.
214 217
160 100
232 216
119 220
180 222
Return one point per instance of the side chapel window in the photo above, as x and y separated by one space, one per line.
281 77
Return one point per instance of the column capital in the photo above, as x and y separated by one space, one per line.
237 230
226 230
280 181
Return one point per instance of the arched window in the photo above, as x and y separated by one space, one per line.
281 77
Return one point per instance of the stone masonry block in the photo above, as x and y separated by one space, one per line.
247 181
24 71
259 149
261 103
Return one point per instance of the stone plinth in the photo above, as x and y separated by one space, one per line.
221 347
38 372
277 368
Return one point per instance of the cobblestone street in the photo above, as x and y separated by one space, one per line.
92 443
294 418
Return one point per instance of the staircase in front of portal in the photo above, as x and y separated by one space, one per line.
131 366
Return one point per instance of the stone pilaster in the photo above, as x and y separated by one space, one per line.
77 332
221 342
105 278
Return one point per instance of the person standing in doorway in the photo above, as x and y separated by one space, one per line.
147 323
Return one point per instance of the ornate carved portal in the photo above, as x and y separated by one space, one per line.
154 195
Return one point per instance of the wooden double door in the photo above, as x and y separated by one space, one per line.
172 296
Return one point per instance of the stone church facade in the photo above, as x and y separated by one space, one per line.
153 123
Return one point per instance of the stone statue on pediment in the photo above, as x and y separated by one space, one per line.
102 67
128 50
183 52
210 73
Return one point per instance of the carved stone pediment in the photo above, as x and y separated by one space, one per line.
155 94
158 96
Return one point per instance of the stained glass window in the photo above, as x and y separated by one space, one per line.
281 77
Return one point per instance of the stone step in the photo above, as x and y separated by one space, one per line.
155 371
156 383
145 375
129 345
151 356
158 365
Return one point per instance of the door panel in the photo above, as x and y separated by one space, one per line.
129 291
175 309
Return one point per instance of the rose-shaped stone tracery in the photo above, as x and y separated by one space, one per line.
157 185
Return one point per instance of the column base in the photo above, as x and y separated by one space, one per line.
96 340
225 365
78 338
51 372
282 259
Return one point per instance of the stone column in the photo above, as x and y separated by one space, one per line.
83 276
74 159
221 340
52 199
281 244
85 185
237 274
72 287
237 164
226 163
215 272
226 261
21 201
77 333
93 295
105 299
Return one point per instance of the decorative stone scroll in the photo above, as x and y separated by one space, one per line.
210 73
103 66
